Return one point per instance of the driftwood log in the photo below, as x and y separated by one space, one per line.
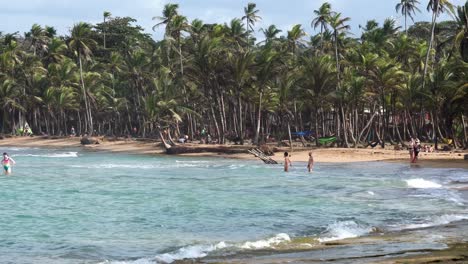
259 154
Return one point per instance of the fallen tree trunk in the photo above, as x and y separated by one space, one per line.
187 149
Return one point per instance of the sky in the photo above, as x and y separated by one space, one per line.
20 15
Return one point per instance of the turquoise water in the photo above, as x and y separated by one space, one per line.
73 206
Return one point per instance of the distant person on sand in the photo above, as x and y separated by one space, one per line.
7 162
72 132
310 164
287 162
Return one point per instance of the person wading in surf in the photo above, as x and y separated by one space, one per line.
310 164
7 162
287 162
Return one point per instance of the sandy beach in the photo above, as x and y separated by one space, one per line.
447 159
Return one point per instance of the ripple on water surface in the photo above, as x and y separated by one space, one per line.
74 206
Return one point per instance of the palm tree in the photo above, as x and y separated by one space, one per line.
321 19
338 24
179 24
408 8
55 51
267 69
39 39
81 44
105 16
461 38
270 33
436 7
250 16
295 36
241 73
169 12
318 81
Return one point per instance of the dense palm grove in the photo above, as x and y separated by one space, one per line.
113 79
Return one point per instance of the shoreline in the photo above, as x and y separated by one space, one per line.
408 246
452 159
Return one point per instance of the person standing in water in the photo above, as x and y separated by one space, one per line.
287 162
416 149
411 149
310 164
7 162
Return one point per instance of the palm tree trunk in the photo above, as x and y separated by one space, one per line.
317 143
290 137
465 136
431 41
241 131
104 32
259 115
89 126
406 28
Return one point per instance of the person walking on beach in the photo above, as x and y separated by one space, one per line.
310 164
287 162
7 162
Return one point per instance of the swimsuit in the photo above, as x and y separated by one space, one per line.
6 164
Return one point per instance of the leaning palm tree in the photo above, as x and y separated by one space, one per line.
250 17
321 19
408 8
81 44
437 7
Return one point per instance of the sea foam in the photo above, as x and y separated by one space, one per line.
437 221
267 243
52 155
422 184
200 251
344 229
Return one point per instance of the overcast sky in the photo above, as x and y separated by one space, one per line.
19 15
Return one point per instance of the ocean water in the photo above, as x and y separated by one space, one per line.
74 206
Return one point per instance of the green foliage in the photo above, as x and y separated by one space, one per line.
112 76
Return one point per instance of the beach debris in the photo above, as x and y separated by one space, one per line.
261 155
88 141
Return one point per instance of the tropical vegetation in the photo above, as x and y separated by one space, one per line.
236 81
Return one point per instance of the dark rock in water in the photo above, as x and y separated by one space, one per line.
88 141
